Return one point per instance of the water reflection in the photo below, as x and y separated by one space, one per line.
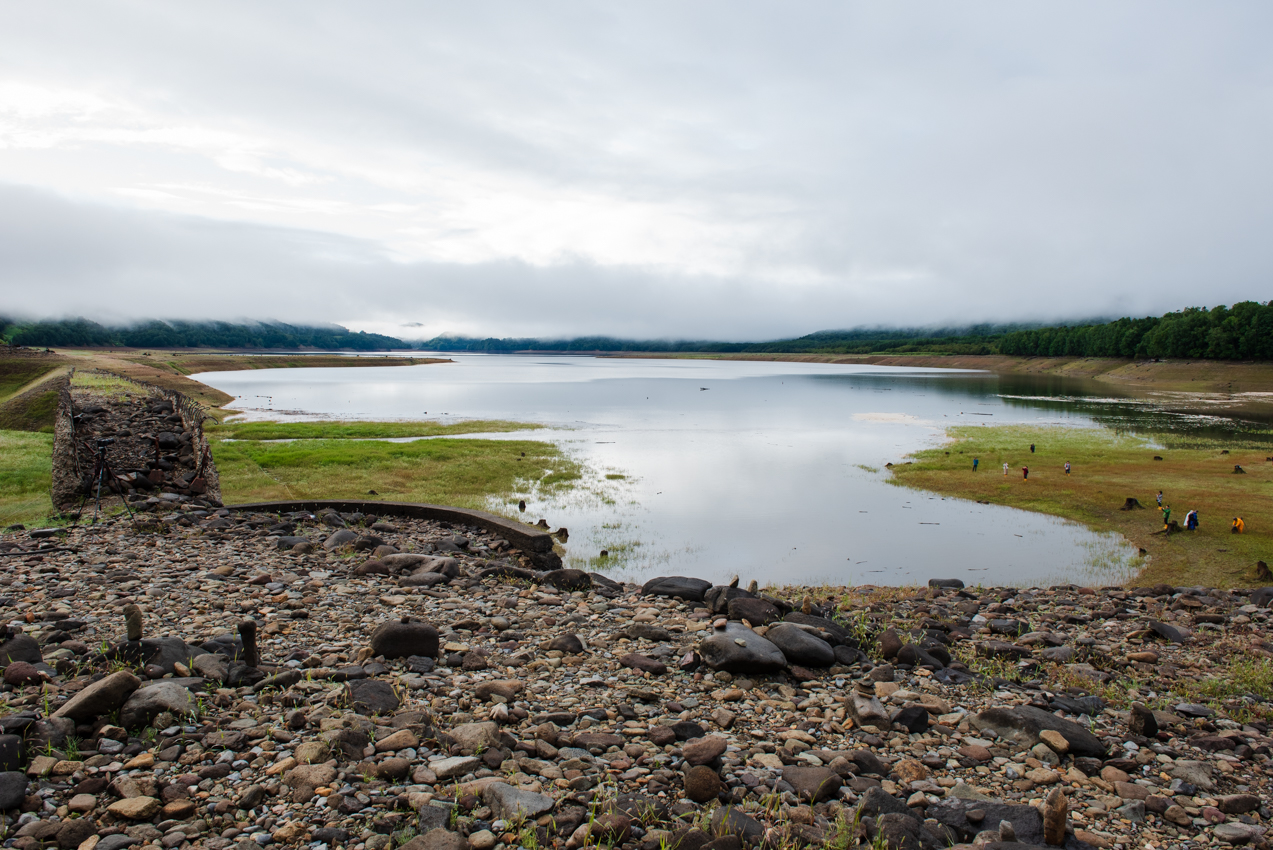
769 470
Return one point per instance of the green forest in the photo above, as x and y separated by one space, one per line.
1243 331
176 334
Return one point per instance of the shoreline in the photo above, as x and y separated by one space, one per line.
1108 469
469 699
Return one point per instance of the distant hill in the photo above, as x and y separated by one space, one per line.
178 334
972 339
1243 331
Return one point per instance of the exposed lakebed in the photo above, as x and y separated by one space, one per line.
771 470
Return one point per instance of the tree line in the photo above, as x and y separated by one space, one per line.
178 334
1241 332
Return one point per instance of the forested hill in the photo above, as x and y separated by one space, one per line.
1241 332
176 334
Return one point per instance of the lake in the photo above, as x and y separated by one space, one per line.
769 470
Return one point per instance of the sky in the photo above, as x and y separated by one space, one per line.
707 170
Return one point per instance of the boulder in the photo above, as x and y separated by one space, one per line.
946 583
372 696
342 537
704 750
404 638
474 736
1023 724
13 789
737 649
702 784
99 698
149 702
437 839
718 598
680 587
567 579
567 643
800 647
838 633
813 784
513 803
20 648
758 612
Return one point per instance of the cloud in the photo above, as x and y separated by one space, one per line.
718 170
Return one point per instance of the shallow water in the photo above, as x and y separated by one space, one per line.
773 471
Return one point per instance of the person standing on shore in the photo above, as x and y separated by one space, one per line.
1191 520
1025 473
1005 469
1032 448
1238 526
1166 516
975 461
1160 500
1067 467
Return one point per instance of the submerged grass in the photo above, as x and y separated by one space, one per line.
25 468
327 430
1108 468
464 473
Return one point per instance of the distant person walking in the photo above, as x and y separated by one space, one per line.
975 461
1005 470
1160 499
1025 473
1032 448
1238 526
1067 467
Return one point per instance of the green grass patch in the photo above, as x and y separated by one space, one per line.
360 430
1108 468
17 373
34 410
105 384
464 473
26 467
614 476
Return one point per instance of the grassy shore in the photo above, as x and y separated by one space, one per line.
345 460
1107 469
25 466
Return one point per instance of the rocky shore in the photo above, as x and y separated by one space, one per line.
221 679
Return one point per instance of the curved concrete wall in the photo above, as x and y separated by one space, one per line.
521 536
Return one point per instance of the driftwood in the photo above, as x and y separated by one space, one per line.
1132 504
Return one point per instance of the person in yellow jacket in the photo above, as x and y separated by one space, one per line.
1238 525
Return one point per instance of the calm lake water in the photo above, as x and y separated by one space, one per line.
773 471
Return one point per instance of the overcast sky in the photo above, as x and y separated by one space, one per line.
731 170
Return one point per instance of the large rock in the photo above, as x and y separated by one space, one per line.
147 703
704 750
800 647
952 813
101 697
680 587
404 638
838 633
135 808
1023 724
476 736
437 839
702 784
13 789
737 649
305 778
718 598
343 537
20 648
813 784
756 611
515 803
372 696
167 652
567 579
